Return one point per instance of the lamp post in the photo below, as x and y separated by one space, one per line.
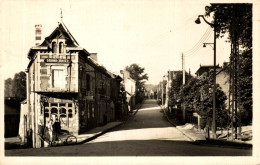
214 136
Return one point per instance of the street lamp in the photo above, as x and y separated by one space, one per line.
205 44
214 74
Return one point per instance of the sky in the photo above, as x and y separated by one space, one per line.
151 33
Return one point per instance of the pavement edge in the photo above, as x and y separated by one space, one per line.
189 137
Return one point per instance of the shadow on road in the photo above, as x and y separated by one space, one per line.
133 148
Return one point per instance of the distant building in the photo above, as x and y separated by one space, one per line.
161 91
205 69
129 86
222 76
151 94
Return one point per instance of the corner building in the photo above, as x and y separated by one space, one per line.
63 81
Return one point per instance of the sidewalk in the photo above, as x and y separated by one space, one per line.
98 131
198 137
14 142
94 133
192 133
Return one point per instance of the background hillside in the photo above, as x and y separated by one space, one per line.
148 87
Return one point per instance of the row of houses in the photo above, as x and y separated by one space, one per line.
65 81
164 86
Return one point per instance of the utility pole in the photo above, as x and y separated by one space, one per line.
213 125
214 136
183 69
183 82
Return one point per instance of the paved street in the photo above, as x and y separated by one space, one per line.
147 134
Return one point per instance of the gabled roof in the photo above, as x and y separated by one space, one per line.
61 32
205 68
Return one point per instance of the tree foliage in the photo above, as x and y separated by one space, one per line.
176 86
16 87
8 88
196 96
138 74
245 86
234 19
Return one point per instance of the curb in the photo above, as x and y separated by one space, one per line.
131 116
190 138
216 142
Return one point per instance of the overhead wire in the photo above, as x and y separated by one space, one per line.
198 46
172 30
199 42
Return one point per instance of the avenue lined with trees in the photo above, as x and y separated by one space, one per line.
195 95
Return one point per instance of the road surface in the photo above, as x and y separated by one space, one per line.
147 134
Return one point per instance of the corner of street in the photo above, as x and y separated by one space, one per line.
146 132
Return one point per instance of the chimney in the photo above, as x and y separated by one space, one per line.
38 34
94 56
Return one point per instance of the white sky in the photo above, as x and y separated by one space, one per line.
148 32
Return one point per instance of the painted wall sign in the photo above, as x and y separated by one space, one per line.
56 60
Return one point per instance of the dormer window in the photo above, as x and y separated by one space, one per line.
61 47
54 47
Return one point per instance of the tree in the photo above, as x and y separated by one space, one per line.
234 19
245 86
16 87
176 86
8 87
197 95
19 85
138 74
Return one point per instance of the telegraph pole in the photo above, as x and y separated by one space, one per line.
214 88
213 125
183 69
183 82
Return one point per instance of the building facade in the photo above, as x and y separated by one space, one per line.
129 86
65 82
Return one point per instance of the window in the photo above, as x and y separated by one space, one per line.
54 104
88 109
93 113
54 47
58 78
62 104
63 113
83 81
54 111
61 47
70 113
88 82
